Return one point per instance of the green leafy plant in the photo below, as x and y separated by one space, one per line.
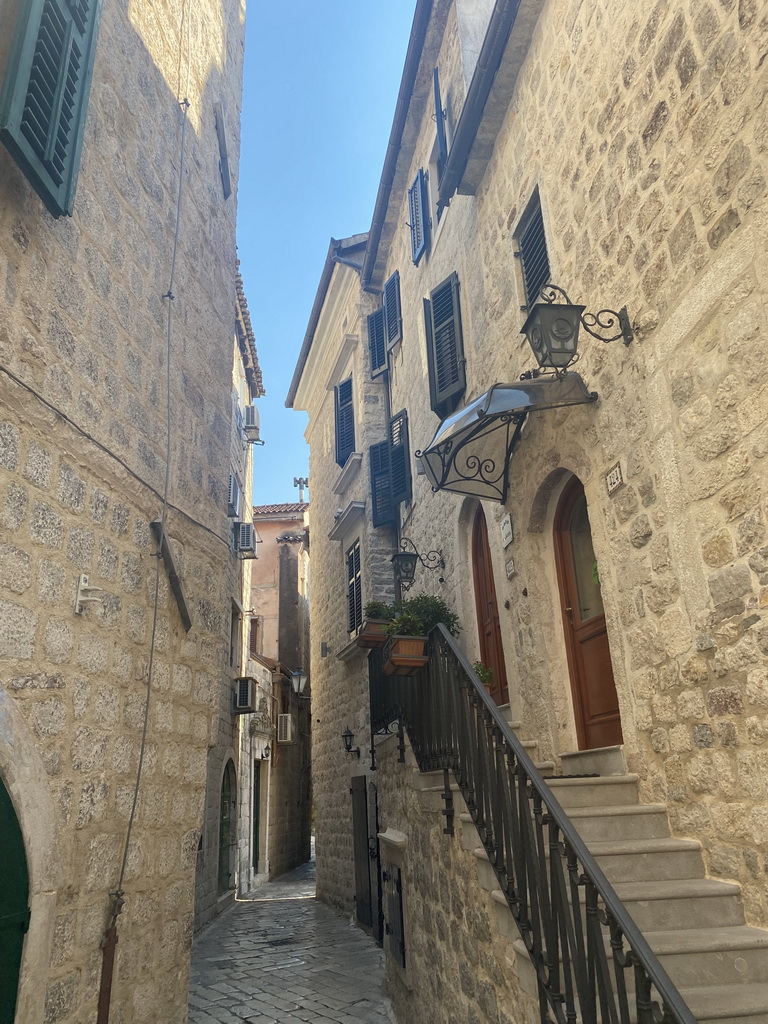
417 616
378 610
483 673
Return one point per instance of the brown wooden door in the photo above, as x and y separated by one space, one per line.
491 650
596 705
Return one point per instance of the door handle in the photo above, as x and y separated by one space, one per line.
570 613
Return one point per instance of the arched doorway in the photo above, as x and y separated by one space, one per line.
489 629
596 705
227 819
14 909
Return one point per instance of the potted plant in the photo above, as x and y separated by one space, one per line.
405 651
484 674
373 630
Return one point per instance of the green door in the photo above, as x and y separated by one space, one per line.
14 912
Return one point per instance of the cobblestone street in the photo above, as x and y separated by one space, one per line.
282 957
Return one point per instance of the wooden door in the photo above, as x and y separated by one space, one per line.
255 831
596 705
491 649
362 860
227 812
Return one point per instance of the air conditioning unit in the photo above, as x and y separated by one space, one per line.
252 425
245 539
285 728
245 695
233 497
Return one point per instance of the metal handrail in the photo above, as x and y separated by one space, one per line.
565 908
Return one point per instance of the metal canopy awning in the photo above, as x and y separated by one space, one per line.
471 450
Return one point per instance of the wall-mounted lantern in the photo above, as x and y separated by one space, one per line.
552 328
346 738
299 681
404 562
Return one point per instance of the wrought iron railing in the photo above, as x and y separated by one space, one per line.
579 936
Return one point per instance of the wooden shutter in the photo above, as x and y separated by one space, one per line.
45 95
442 142
532 252
354 589
393 316
377 345
383 508
418 212
253 637
399 458
345 421
445 346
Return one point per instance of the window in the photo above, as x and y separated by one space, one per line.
254 636
532 251
354 589
418 214
445 346
345 421
377 343
234 637
391 481
385 326
45 96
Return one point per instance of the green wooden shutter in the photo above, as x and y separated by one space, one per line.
418 212
345 421
445 346
14 912
442 142
45 95
532 252
377 346
354 589
383 508
400 458
393 316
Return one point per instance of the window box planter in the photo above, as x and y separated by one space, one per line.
405 655
373 633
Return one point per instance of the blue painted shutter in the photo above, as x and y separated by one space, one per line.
393 316
345 421
383 508
377 346
445 346
418 212
45 95
442 142
400 458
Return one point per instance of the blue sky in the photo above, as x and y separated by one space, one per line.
321 81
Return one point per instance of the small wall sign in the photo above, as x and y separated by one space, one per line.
507 535
614 478
510 567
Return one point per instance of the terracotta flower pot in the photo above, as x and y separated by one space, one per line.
372 633
405 655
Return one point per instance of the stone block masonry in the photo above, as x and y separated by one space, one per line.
83 338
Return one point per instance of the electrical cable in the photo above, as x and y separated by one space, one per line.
108 451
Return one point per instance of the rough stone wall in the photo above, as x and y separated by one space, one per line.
643 128
83 327
459 968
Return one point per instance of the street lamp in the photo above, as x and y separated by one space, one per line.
404 562
346 738
298 681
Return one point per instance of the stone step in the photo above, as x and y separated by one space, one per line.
601 761
696 902
595 792
712 956
729 1004
648 860
619 822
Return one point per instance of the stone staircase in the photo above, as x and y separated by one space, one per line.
694 924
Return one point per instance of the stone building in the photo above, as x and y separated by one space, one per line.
275 809
120 125
609 566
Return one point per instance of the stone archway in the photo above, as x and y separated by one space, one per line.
26 782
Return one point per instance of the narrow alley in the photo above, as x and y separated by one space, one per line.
282 957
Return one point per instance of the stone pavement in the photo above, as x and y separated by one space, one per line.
282 957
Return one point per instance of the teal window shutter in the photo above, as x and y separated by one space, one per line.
345 421
393 315
383 509
400 458
442 142
445 346
377 346
45 95
418 211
